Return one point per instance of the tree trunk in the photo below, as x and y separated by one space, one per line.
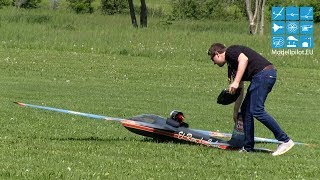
132 14
262 18
256 18
143 14
250 16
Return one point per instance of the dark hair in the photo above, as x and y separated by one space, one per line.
216 48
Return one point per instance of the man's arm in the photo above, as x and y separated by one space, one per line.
242 65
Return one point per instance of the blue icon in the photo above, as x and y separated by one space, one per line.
292 41
292 13
306 27
306 41
278 27
306 13
278 13
292 27
277 41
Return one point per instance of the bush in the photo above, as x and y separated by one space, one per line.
114 6
26 4
4 3
81 6
187 9
155 12
208 9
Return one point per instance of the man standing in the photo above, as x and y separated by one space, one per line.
244 64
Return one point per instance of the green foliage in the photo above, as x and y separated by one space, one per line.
114 6
230 10
5 3
152 11
207 9
26 4
188 9
81 6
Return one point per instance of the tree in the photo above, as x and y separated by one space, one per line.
132 14
81 6
143 14
256 19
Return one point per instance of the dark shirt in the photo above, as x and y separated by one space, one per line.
256 62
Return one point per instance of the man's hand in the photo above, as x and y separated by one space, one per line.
233 87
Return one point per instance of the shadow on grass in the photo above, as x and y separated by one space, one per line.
146 139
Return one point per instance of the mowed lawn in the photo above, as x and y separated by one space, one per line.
101 65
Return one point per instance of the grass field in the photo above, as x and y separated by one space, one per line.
101 65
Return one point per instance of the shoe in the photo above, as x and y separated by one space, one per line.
283 148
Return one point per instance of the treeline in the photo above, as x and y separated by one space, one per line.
231 9
181 9
78 6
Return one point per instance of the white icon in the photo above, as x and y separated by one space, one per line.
306 28
306 44
276 27
292 39
292 14
277 41
292 27
277 14
307 15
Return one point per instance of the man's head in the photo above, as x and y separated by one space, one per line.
217 53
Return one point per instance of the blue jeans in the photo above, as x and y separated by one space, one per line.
253 107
